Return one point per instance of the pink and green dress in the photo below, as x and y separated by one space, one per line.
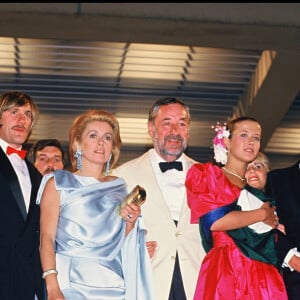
240 264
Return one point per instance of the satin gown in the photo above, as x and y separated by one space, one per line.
226 273
94 259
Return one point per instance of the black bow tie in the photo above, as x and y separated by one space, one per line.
164 166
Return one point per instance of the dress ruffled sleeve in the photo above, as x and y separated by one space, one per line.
207 189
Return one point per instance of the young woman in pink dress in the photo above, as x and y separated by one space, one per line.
238 266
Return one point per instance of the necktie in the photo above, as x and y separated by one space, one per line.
21 153
164 166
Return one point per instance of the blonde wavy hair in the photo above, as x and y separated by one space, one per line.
79 125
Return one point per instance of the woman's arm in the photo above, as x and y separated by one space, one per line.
130 213
49 219
238 219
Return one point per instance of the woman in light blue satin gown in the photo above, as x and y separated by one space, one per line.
91 250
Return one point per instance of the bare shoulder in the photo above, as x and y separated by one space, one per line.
50 183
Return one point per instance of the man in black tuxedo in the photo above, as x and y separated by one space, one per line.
20 268
284 186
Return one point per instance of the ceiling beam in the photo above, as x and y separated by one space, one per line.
145 29
270 103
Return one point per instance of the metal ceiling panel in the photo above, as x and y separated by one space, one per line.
66 78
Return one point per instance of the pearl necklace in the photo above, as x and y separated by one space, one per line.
242 179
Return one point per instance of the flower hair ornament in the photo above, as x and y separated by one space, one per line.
220 151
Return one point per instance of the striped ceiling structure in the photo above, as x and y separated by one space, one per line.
71 57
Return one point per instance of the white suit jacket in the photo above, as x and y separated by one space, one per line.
185 238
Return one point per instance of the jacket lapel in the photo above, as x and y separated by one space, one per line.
35 178
295 179
11 177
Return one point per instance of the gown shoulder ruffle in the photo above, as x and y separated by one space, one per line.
207 189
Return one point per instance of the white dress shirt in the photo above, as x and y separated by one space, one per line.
171 183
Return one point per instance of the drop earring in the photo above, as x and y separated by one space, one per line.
107 166
78 156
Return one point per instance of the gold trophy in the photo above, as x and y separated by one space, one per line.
136 196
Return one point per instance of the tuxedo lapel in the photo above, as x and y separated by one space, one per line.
12 181
146 177
295 179
151 180
35 178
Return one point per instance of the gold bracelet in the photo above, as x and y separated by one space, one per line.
48 272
